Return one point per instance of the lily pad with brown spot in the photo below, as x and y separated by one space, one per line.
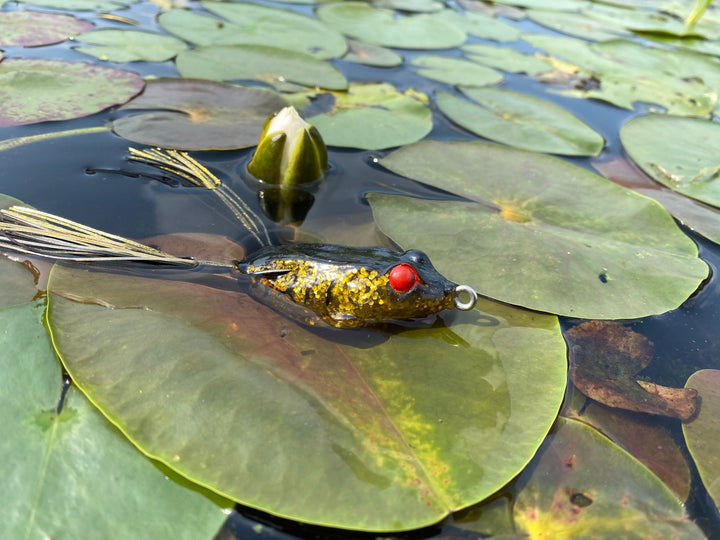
35 90
35 28
198 115
605 359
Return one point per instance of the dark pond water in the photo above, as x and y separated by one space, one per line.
87 178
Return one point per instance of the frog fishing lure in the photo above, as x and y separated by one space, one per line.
314 284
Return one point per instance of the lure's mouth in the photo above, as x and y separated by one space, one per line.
465 306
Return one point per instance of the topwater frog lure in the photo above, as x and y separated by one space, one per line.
315 284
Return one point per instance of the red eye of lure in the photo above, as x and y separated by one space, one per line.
403 277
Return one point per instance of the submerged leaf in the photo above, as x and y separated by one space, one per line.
703 432
339 429
605 359
689 164
526 237
373 116
380 27
198 115
34 28
583 486
130 45
258 63
521 120
33 90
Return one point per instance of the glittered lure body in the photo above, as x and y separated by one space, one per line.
347 287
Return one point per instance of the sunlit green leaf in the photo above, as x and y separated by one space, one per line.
130 45
240 399
380 27
622 83
34 90
416 6
76 463
480 25
521 120
583 486
198 115
527 238
703 432
259 63
576 24
689 164
456 71
506 59
373 116
33 28
371 55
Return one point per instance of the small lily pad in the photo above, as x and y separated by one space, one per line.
371 55
481 25
526 238
584 486
689 164
380 27
34 28
34 90
521 120
456 71
506 59
258 63
373 116
130 45
415 6
198 115
703 432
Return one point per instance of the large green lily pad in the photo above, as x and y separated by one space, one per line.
539 232
361 430
258 63
373 116
34 90
381 27
198 115
689 164
624 82
34 28
456 71
252 24
118 45
576 24
522 121
703 432
583 486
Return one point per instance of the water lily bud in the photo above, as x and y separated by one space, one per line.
290 151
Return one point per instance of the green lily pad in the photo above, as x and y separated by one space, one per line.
415 6
130 45
241 400
522 121
198 115
480 25
373 116
555 5
34 28
583 486
74 462
252 24
371 55
526 238
703 219
258 63
456 71
577 24
506 59
702 433
623 83
380 27
689 164
33 90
